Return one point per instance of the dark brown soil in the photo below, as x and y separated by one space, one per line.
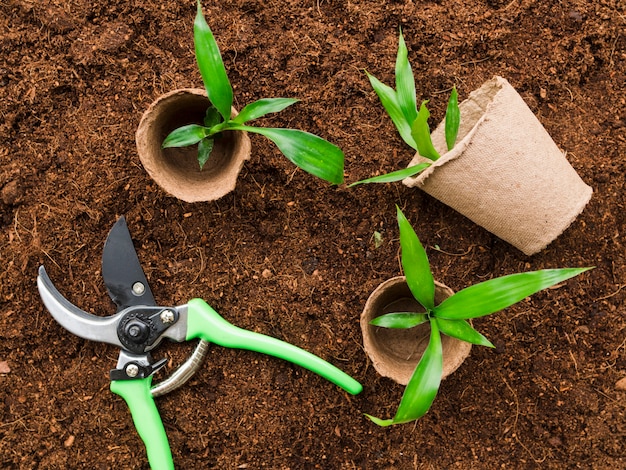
289 256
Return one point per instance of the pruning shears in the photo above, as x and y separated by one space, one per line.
140 325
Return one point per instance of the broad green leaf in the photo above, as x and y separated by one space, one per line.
415 264
262 107
499 293
212 117
421 134
307 151
185 135
205 146
211 66
422 389
394 176
405 83
462 330
400 320
453 119
390 102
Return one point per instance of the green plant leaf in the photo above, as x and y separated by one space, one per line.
453 119
381 422
415 264
421 134
462 330
378 239
496 294
390 102
205 146
212 117
262 107
394 176
405 82
307 151
185 136
422 389
400 320
211 66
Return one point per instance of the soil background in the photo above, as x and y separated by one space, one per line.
288 255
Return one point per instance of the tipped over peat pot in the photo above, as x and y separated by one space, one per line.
505 172
395 353
176 170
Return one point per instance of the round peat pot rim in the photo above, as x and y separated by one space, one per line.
396 352
176 170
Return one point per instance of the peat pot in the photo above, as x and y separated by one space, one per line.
396 352
176 170
505 173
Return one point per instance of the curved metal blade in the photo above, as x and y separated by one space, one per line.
75 320
123 276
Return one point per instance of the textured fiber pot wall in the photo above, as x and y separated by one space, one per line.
505 173
177 170
396 352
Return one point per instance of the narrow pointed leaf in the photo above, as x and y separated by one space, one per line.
307 151
400 320
422 389
394 176
453 119
405 82
496 294
211 66
185 135
461 329
415 264
421 134
205 146
262 107
381 422
389 100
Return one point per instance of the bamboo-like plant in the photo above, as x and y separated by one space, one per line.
401 106
307 151
450 316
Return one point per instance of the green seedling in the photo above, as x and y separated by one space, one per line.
307 151
401 106
378 239
451 316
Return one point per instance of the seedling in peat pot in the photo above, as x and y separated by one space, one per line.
401 105
450 316
307 151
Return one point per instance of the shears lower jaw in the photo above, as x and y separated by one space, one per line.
75 320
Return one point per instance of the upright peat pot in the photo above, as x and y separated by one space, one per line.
206 121
417 331
176 169
395 352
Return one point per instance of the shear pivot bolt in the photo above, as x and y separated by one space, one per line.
137 331
132 370
167 317
138 288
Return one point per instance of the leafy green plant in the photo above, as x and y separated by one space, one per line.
450 316
401 106
307 151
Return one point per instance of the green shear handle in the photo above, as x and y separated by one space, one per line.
203 322
136 394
